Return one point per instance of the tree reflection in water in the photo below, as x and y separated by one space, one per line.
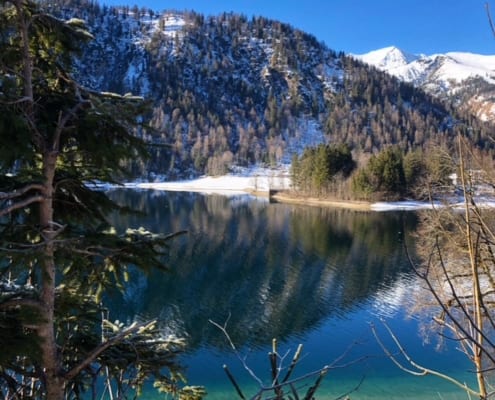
276 270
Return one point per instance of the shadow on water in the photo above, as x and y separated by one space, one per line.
273 270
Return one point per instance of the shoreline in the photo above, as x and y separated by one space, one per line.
276 188
290 198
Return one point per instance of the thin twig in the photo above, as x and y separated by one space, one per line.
236 352
420 370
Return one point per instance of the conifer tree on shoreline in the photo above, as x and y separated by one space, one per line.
59 252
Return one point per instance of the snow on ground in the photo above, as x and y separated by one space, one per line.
232 185
242 182
228 184
402 205
173 24
261 180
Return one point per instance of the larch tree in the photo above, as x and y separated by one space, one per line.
455 267
58 250
458 267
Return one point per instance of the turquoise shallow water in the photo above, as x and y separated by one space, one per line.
364 373
302 275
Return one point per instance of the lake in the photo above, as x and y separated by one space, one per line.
309 275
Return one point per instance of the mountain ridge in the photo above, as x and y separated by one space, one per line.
461 77
230 91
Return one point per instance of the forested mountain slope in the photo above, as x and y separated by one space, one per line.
227 90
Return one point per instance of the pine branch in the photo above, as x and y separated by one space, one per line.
20 192
101 348
22 204
12 303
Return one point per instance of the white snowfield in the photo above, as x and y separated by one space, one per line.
226 185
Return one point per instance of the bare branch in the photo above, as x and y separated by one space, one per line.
236 352
276 385
419 369
234 382
443 306
292 365
63 120
18 101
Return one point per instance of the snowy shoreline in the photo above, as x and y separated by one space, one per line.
260 182
260 185
226 185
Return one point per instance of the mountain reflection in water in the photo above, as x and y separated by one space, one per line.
310 275
272 270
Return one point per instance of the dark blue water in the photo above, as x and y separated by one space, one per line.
316 276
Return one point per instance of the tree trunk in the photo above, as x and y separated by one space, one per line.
477 314
54 381
53 378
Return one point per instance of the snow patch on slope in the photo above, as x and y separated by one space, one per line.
173 24
308 134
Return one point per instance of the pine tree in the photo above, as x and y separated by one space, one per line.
318 167
382 177
59 252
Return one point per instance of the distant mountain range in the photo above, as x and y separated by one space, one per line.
229 91
467 79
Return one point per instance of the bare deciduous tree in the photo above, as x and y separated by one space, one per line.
456 248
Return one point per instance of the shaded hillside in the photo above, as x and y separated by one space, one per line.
228 90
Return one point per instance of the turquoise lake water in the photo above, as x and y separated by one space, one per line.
309 275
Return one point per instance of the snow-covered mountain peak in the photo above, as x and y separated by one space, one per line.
448 67
388 58
445 75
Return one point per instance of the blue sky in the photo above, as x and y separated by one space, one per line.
359 26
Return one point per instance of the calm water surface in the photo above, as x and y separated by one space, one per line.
309 275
